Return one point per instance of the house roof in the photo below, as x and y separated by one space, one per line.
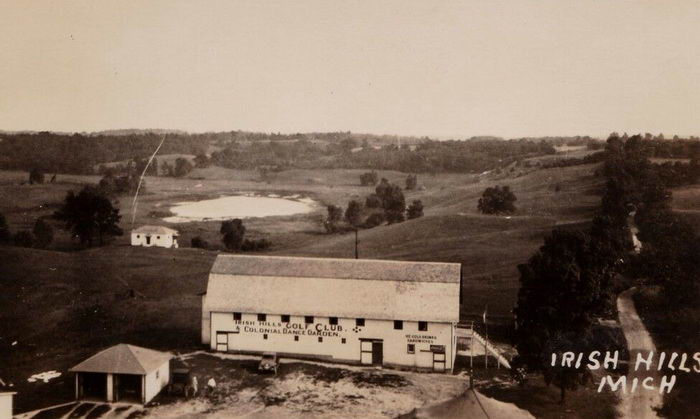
124 359
350 288
154 230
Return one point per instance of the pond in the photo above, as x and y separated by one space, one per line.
239 206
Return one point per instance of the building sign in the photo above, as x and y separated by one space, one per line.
299 329
440 349
420 338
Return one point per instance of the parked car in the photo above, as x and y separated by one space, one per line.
269 362
181 383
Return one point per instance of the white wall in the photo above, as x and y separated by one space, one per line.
160 240
157 380
248 335
6 405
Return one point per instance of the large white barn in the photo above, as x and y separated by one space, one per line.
373 312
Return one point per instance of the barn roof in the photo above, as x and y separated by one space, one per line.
382 270
350 288
154 230
124 359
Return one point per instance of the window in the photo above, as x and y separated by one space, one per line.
423 326
138 236
332 320
265 336
262 317
320 339
411 348
285 318
308 319
359 322
296 338
236 316
158 237
157 374
343 341
398 324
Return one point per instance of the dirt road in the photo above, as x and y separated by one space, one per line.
640 404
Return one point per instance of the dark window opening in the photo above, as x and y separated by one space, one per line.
342 340
320 339
411 348
285 318
423 326
262 317
265 336
237 316
359 322
398 324
296 338
332 320
308 319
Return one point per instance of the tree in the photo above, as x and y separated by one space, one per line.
5 234
368 178
374 220
497 200
415 210
411 182
182 167
373 201
353 213
201 161
394 204
563 287
43 233
335 214
36 176
89 214
234 234
24 239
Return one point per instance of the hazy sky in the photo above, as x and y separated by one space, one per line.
448 69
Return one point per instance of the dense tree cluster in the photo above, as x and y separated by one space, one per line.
79 153
497 200
411 182
89 214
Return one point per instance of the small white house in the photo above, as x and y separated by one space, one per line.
371 312
159 236
123 373
6 403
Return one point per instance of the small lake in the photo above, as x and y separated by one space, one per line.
239 206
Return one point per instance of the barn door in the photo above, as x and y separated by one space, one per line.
222 341
439 361
366 352
377 352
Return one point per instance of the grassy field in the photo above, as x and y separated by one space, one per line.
60 306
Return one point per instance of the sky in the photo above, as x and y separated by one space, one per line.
445 69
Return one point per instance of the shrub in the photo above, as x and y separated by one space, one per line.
199 243
256 245
43 233
24 239
415 210
369 178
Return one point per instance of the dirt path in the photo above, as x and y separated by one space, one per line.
638 405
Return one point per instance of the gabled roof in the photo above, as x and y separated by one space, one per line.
124 359
154 230
383 270
347 288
